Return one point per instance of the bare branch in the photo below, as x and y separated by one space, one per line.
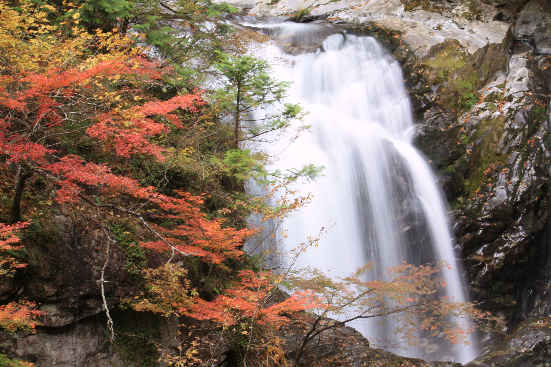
102 287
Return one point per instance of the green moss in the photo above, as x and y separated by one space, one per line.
467 96
136 259
451 67
487 136
449 59
473 11
300 14
40 240
538 113
428 5
137 334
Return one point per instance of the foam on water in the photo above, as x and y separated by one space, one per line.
377 195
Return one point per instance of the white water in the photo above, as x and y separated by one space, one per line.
377 198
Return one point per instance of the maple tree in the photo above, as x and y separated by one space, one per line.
249 300
103 99
20 315
412 295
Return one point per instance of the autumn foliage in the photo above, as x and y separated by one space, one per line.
104 100
252 299
20 315
9 242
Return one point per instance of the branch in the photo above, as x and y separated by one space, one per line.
358 317
174 249
312 333
167 7
253 136
144 223
102 287
307 338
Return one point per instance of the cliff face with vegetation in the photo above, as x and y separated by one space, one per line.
496 173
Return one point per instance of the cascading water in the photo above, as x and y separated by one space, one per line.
377 195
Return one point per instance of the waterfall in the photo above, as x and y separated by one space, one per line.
377 196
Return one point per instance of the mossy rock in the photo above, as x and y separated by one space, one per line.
137 335
485 153
459 75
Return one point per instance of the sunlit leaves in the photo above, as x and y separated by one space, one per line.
9 242
14 316
250 300
17 316
168 291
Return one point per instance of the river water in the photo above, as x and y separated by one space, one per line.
377 199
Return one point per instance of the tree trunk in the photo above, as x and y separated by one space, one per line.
20 179
237 121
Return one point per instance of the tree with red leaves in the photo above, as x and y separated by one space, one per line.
72 129
21 315
36 109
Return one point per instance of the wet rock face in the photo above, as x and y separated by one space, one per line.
492 154
533 26
529 346
504 206
65 261
83 344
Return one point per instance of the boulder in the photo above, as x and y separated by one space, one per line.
528 346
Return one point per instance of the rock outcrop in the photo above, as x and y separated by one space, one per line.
494 164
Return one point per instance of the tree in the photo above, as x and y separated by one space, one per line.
412 296
252 98
107 15
19 315
190 47
105 100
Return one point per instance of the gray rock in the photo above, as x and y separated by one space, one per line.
534 26
420 29
528 346
83 344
